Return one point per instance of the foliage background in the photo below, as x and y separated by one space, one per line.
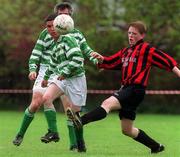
104 24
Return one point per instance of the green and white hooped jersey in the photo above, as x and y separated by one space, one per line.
67 59
42 51
86 50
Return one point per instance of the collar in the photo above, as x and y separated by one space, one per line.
137 43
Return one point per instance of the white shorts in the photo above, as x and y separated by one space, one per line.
37 84
74 88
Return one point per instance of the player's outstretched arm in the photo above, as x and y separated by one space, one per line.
176 70
98 56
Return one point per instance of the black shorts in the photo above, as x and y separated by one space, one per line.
129 97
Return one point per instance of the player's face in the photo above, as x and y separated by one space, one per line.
134 36
51 30
63 11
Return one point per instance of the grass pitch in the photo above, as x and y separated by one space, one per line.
103 138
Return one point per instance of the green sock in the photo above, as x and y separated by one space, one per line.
79 134
28 117
79 131
72 134
50 115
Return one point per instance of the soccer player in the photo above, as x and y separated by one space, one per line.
40 56
67 64
75 136
135 62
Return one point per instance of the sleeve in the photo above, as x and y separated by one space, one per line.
162 60
86 49
75 57
113 62
36 54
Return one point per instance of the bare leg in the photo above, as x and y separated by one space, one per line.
139 135
65 102
51 93
36 102
111 104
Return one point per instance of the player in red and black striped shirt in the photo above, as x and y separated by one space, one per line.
135 63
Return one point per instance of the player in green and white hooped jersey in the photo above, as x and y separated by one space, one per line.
68 64
41 56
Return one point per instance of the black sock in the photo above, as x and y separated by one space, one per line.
94 115
146 140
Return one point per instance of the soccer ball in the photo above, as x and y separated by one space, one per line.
63 23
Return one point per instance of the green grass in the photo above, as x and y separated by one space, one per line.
103 138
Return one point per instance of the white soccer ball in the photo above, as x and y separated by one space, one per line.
63 23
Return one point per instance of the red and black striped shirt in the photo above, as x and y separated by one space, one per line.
135 62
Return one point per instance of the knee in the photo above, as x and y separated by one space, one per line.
34 106
106 106
110 104
46 99
127 132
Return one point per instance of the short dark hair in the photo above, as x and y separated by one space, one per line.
140 26
62 6
50 17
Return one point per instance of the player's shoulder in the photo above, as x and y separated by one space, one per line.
68 37
143 44
76 31
148 45
44 34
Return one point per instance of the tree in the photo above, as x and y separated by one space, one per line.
20 24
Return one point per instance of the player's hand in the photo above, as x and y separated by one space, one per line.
176 70
60 78
96 55
44 83
32 75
